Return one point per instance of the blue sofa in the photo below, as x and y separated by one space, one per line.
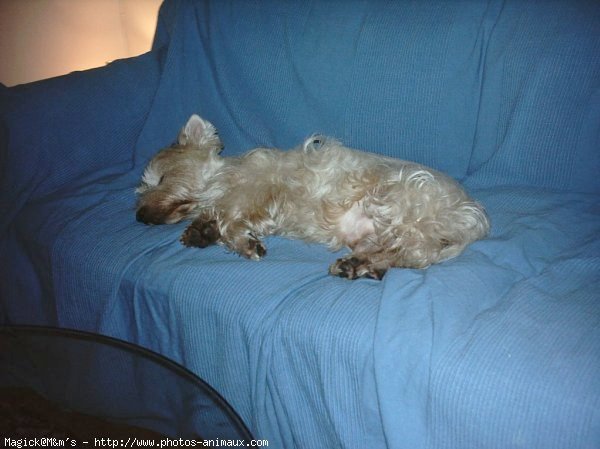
498 348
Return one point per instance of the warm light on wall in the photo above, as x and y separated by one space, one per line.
44 38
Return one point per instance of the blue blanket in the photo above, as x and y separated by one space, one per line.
498 348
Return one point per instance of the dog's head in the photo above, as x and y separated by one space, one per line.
173 181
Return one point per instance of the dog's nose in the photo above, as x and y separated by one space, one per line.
154 215
142 215
150 215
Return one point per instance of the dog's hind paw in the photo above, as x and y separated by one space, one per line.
352 267
254 249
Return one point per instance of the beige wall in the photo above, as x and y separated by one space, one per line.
44 38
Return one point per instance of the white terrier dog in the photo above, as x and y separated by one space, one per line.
389 212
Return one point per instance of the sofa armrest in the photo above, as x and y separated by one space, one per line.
72 129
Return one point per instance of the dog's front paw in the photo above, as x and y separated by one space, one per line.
352 267
253 249
201 234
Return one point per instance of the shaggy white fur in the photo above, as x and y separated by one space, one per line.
389 212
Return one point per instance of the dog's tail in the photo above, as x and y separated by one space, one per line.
317 142
469 223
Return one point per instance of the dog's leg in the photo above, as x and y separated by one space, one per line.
236 235
248 213
239 238
368 259
202 232
372 261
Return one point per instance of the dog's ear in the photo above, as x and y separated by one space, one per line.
198 131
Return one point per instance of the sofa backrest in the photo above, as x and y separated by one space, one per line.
498 92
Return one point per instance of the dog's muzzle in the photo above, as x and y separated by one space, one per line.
147 216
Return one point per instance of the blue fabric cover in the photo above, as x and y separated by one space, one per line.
498 348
